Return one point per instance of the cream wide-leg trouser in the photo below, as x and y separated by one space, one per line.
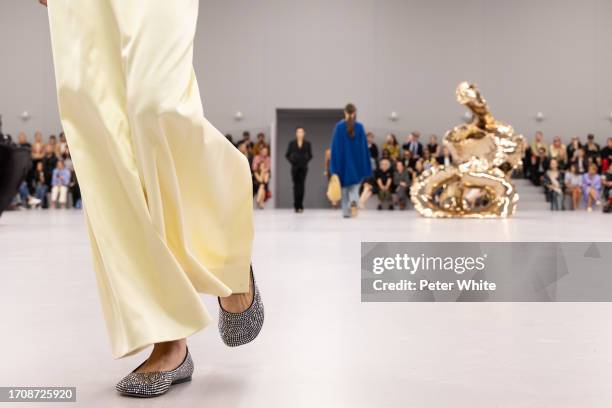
167 199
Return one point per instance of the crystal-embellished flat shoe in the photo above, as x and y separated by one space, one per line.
155 383
237 329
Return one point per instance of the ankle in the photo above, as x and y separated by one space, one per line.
171 347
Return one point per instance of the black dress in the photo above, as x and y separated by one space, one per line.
299 158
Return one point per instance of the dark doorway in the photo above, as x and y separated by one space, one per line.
319 125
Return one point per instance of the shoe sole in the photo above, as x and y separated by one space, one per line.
129 394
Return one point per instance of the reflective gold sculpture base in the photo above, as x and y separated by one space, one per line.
477 184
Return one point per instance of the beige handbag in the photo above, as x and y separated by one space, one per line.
334 192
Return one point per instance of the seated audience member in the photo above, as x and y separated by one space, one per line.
55 147
591 149
418 169
591 187
607 184
50 163
22 141
262 157
407 158
230 138
75 190
392 146
62 146
580 161
384 183
402 180
573 147
433 146
39 182
573 186
606 155
539 143
445 159
558 151
246 138
244 149
527 163
68 160
260 144
553 184
59 185
262 178
539 166
38 148
413 144
386 155
428 160
373 148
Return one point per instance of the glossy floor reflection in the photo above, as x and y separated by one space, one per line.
320 347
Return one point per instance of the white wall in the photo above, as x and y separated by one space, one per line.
255 56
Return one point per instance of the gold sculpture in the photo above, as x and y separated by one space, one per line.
477 184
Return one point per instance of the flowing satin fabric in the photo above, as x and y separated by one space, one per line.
167 199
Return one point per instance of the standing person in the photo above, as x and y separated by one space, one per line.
299 154
350 158
163 223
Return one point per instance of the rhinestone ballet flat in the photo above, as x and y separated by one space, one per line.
237 329
155 383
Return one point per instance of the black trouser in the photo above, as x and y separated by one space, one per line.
298 175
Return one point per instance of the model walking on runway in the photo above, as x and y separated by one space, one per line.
162 226
299 153
350 159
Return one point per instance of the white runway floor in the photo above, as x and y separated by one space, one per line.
320 347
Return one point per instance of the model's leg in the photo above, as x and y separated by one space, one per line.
206 223
345 202
294 180
147 295
302 186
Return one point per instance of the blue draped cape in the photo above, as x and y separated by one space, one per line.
350 156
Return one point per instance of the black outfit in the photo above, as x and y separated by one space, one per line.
384 176
592 151
299 158
571 150
373 155
15 163
538 169
606 154
49 164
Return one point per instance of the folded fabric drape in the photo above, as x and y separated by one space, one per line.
167 199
